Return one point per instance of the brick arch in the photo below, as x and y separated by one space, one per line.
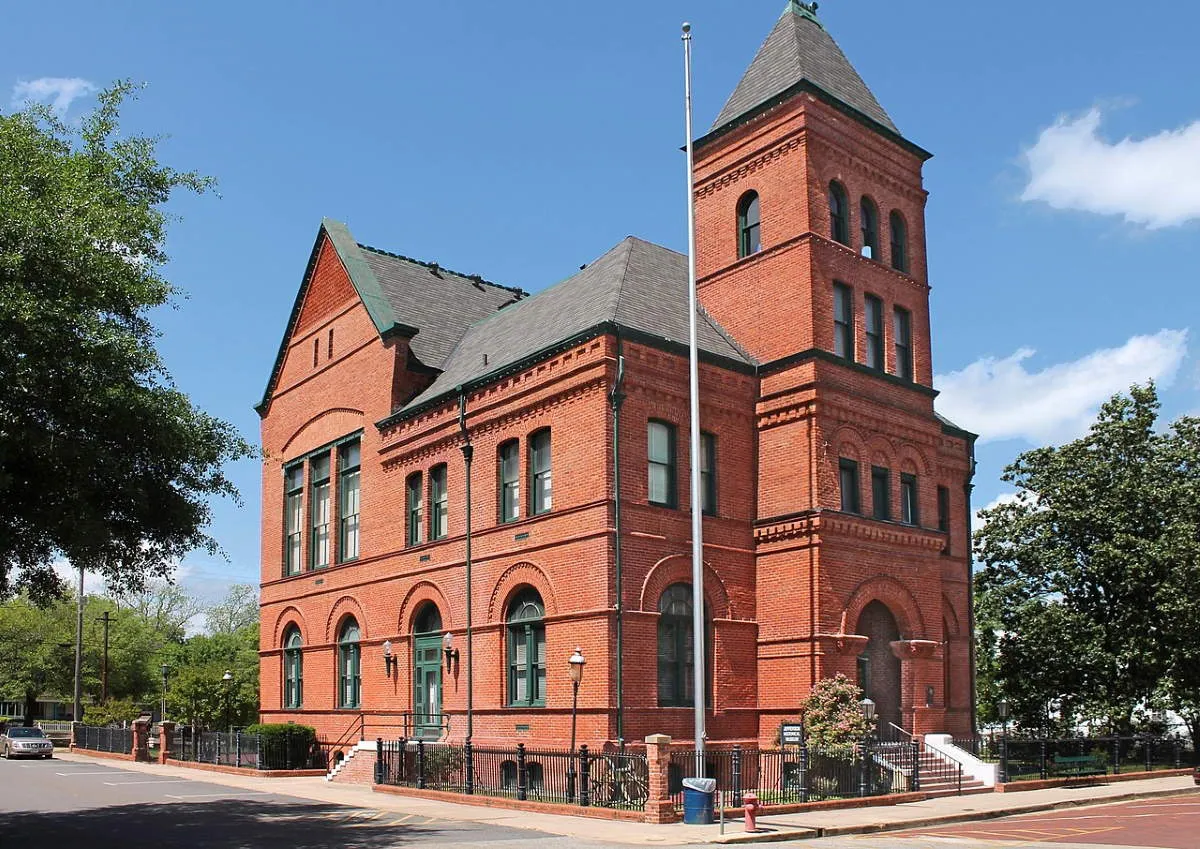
421 592
909 453
896 597
345 606
327 425
847 436
515 578
677 569
290 615
950 617
882 453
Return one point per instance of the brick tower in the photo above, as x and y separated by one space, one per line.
811 254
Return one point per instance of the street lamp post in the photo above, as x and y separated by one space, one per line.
575 663
1002 709
227 681
163 715
868 711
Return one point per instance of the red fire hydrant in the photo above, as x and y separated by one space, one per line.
751 806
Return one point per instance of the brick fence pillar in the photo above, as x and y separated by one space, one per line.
658 800
141 737
165 730
75 732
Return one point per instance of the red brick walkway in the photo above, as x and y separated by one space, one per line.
1170 823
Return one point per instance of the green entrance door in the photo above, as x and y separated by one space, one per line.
427 673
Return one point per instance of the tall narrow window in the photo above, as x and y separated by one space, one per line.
870 228
439 503
540 482
943 501
909 505
839 214
330 354
881 493
902 335
848 481
293 517
318 472
873 315
414 492
509 469
660 455
349 499
527 650
899 242
293 669
316 351
843 321
676 644
708 473
749 241
349 666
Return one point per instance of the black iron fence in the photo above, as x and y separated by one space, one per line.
96 738
798 774
251 751
616 779
1025 758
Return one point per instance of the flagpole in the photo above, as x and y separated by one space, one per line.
699 643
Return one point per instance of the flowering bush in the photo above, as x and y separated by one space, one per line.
833 717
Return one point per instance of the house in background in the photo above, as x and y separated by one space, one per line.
836 501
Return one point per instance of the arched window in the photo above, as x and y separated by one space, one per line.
869 215
527 650
749 240
428 619
509 471
414 495
899 242
540 480
676 686
293 669
839 214
349 665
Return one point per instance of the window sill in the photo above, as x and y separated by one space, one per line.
532 706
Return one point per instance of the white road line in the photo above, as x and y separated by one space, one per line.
110 773
156 781
204 795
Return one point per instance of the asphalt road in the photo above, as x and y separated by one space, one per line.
69 804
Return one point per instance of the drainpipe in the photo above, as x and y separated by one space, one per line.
616 398
468 452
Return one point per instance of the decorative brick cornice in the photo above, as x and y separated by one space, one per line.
915 649
875 530
734 174
845 644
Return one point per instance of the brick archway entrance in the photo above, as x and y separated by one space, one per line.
878 666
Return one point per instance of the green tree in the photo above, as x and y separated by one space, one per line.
102 460
1086 600
833 715
36 655
236 611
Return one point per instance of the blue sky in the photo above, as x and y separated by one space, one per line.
519 141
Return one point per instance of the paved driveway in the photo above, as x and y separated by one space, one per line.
78 805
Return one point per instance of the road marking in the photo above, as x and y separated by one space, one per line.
109 773
204 795
156 781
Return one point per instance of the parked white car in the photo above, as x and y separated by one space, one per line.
18 742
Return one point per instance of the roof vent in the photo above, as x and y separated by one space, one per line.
436 269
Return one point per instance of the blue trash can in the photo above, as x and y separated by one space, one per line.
698 800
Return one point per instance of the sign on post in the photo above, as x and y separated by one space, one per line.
791 734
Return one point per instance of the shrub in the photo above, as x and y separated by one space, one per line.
114 712
833 717
284 745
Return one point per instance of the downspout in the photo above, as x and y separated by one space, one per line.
967 489
468 452
615 399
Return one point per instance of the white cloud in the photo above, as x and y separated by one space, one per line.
1001 399
1154 181
58 92
977 521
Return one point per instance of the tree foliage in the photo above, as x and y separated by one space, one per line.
1086 605
833 715
102 460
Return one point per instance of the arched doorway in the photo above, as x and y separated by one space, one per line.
427 672
878 666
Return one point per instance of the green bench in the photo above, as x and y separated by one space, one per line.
1079 765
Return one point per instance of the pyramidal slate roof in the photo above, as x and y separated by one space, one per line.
637 285
799 49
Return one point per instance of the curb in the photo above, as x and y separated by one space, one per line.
803 833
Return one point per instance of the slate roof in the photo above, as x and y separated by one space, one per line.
440 303
638 285
799 49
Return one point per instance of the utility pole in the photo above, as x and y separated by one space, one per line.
77 715
107 620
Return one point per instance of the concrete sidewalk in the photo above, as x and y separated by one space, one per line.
949 809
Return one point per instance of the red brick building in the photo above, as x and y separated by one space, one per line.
836 500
